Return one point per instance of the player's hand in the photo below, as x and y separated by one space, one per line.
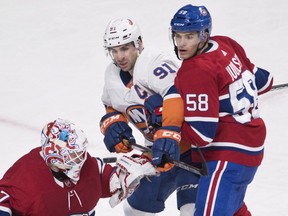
166 148
115 128
153 105
127 175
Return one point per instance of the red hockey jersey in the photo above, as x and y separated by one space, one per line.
29 188
220 91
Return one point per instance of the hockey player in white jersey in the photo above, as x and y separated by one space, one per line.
139 88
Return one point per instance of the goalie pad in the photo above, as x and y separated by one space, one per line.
127 175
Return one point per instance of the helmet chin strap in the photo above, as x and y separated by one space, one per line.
199 49
203 37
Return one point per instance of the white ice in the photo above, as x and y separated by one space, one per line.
52 65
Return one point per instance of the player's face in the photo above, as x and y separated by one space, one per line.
187 43
125 56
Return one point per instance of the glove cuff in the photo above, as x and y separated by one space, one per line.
172 132
172 128
109 119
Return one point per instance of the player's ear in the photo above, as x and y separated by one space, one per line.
140 44
206 37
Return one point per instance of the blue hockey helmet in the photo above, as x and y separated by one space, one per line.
192 19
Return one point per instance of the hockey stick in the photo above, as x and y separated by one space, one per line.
202 172
109 159
280 86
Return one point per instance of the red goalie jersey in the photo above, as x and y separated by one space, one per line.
34 190
220 90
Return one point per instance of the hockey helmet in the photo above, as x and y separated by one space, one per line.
192 19
121 31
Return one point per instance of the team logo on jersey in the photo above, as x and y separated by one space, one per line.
138 117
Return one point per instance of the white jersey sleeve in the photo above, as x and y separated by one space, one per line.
115 93
154 72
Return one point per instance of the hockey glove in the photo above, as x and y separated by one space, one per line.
127 175
166 148
115 128
153 105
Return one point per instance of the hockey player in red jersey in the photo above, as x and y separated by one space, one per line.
220 87
61 178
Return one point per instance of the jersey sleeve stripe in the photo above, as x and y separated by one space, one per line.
223 97
202 136
222 114
3 196
263 80
204 127
170 96
202 119
100 165
5 211
268 85
235 146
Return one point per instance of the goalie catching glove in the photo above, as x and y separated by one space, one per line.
166 148
115 128
127 175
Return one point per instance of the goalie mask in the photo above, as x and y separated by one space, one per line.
64 145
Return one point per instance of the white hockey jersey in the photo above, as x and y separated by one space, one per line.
154 72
